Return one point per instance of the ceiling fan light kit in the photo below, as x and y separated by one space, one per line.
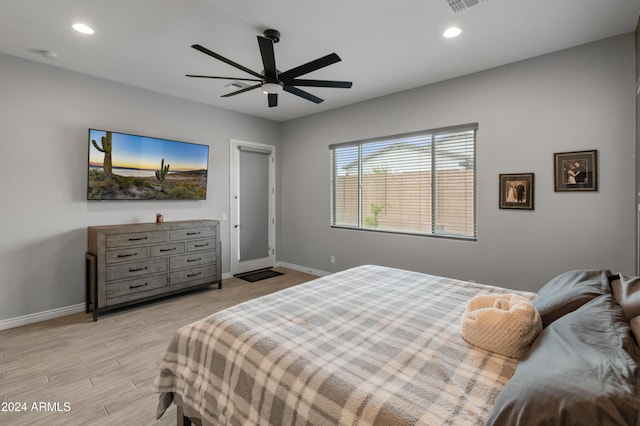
271 80
272 88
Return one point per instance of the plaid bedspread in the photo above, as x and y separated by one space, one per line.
367 346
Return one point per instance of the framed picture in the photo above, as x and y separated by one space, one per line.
516 191
576 171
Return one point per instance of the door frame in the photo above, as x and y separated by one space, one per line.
234 189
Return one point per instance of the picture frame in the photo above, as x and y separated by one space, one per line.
575 171
516 191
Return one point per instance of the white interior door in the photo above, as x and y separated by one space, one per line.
252 206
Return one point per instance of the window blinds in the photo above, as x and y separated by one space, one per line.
420 183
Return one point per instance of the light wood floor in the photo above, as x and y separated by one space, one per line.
100 373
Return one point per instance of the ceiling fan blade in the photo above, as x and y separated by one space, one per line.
273 100
306 95
268 57
237 92
225 60
320 83
222 78
310 66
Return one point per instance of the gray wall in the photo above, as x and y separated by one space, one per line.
638 139
577 99
582 98
44 116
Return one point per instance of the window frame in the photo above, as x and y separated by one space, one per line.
432 133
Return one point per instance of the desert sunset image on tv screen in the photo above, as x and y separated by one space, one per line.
130 167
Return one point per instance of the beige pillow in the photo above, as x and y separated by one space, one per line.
505 324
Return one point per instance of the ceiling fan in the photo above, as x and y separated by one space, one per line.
272 81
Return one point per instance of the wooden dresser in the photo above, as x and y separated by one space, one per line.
127 264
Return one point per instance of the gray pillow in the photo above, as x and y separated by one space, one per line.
568 291
582 370
626 291
635 328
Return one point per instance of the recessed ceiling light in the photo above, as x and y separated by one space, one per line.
82 28
451 32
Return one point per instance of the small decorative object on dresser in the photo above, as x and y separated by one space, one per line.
127 264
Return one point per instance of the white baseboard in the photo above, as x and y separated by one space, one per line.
312 271
74 309
41 316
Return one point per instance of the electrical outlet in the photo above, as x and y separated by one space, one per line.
224 216
333 259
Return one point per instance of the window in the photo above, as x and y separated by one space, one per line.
419 183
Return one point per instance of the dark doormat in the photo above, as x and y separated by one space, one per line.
261 274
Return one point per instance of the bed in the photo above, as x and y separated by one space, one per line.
382 346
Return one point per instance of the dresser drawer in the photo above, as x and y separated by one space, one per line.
136 269
168 249
135 238
136 287
192 233
126 254
200 245
192 260
195 274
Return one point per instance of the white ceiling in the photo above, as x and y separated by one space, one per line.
386 46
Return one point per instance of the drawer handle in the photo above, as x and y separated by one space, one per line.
194 260
139 269
138 286
201 245
138 239
171 249
127 255
194 275
193 233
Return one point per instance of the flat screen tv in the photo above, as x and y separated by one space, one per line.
131 167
